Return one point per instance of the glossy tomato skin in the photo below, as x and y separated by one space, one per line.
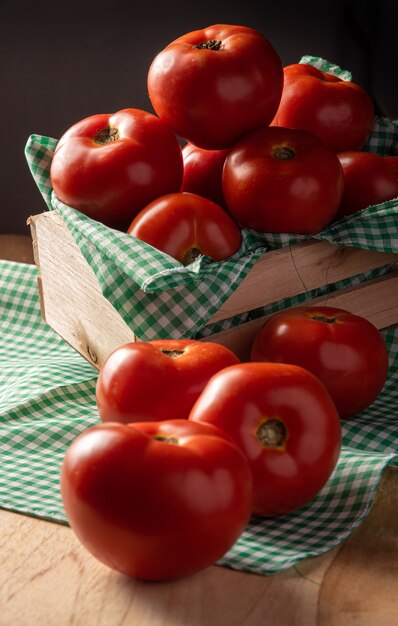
203 172
285 422
109 166
156 501
339 112
157 380
344 350
282 180
184 225
368 179
214 84
392 162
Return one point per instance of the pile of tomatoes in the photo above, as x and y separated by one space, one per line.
193 443
268 148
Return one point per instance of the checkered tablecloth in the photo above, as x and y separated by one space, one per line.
47 397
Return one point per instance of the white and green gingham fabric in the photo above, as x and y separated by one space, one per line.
47 397
47 391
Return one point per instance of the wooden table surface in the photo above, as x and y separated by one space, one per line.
47 578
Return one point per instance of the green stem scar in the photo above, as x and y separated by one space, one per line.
190 256
283 153
211 44
165 439
322 318
272 433
173 354
106 135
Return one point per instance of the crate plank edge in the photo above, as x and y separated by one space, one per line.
73 305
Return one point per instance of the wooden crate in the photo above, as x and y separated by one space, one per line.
73 305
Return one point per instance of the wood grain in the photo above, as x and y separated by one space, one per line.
376 300
71 299
75 308
47 578
299 268
360 588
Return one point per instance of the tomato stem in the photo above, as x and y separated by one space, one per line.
211 44
190 256
165 439
272 433
106 135
173 354
323 318
283 153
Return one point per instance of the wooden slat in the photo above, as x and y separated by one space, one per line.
72 302
74 306
289 271
376 300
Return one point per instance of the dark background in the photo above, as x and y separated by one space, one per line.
62 61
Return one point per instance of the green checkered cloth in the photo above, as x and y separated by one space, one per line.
47 397
47 391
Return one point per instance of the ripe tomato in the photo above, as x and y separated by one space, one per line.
368 179
285 422
282 180
392 162
157 380
345 351
213 85
110 166
185 225
156 501
339 112
203 172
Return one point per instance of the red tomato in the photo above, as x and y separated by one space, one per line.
392 162
203 172
156 501
185 225
110 166
338 111
368 179
213 85
285 422
282 180
345 351
157 380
